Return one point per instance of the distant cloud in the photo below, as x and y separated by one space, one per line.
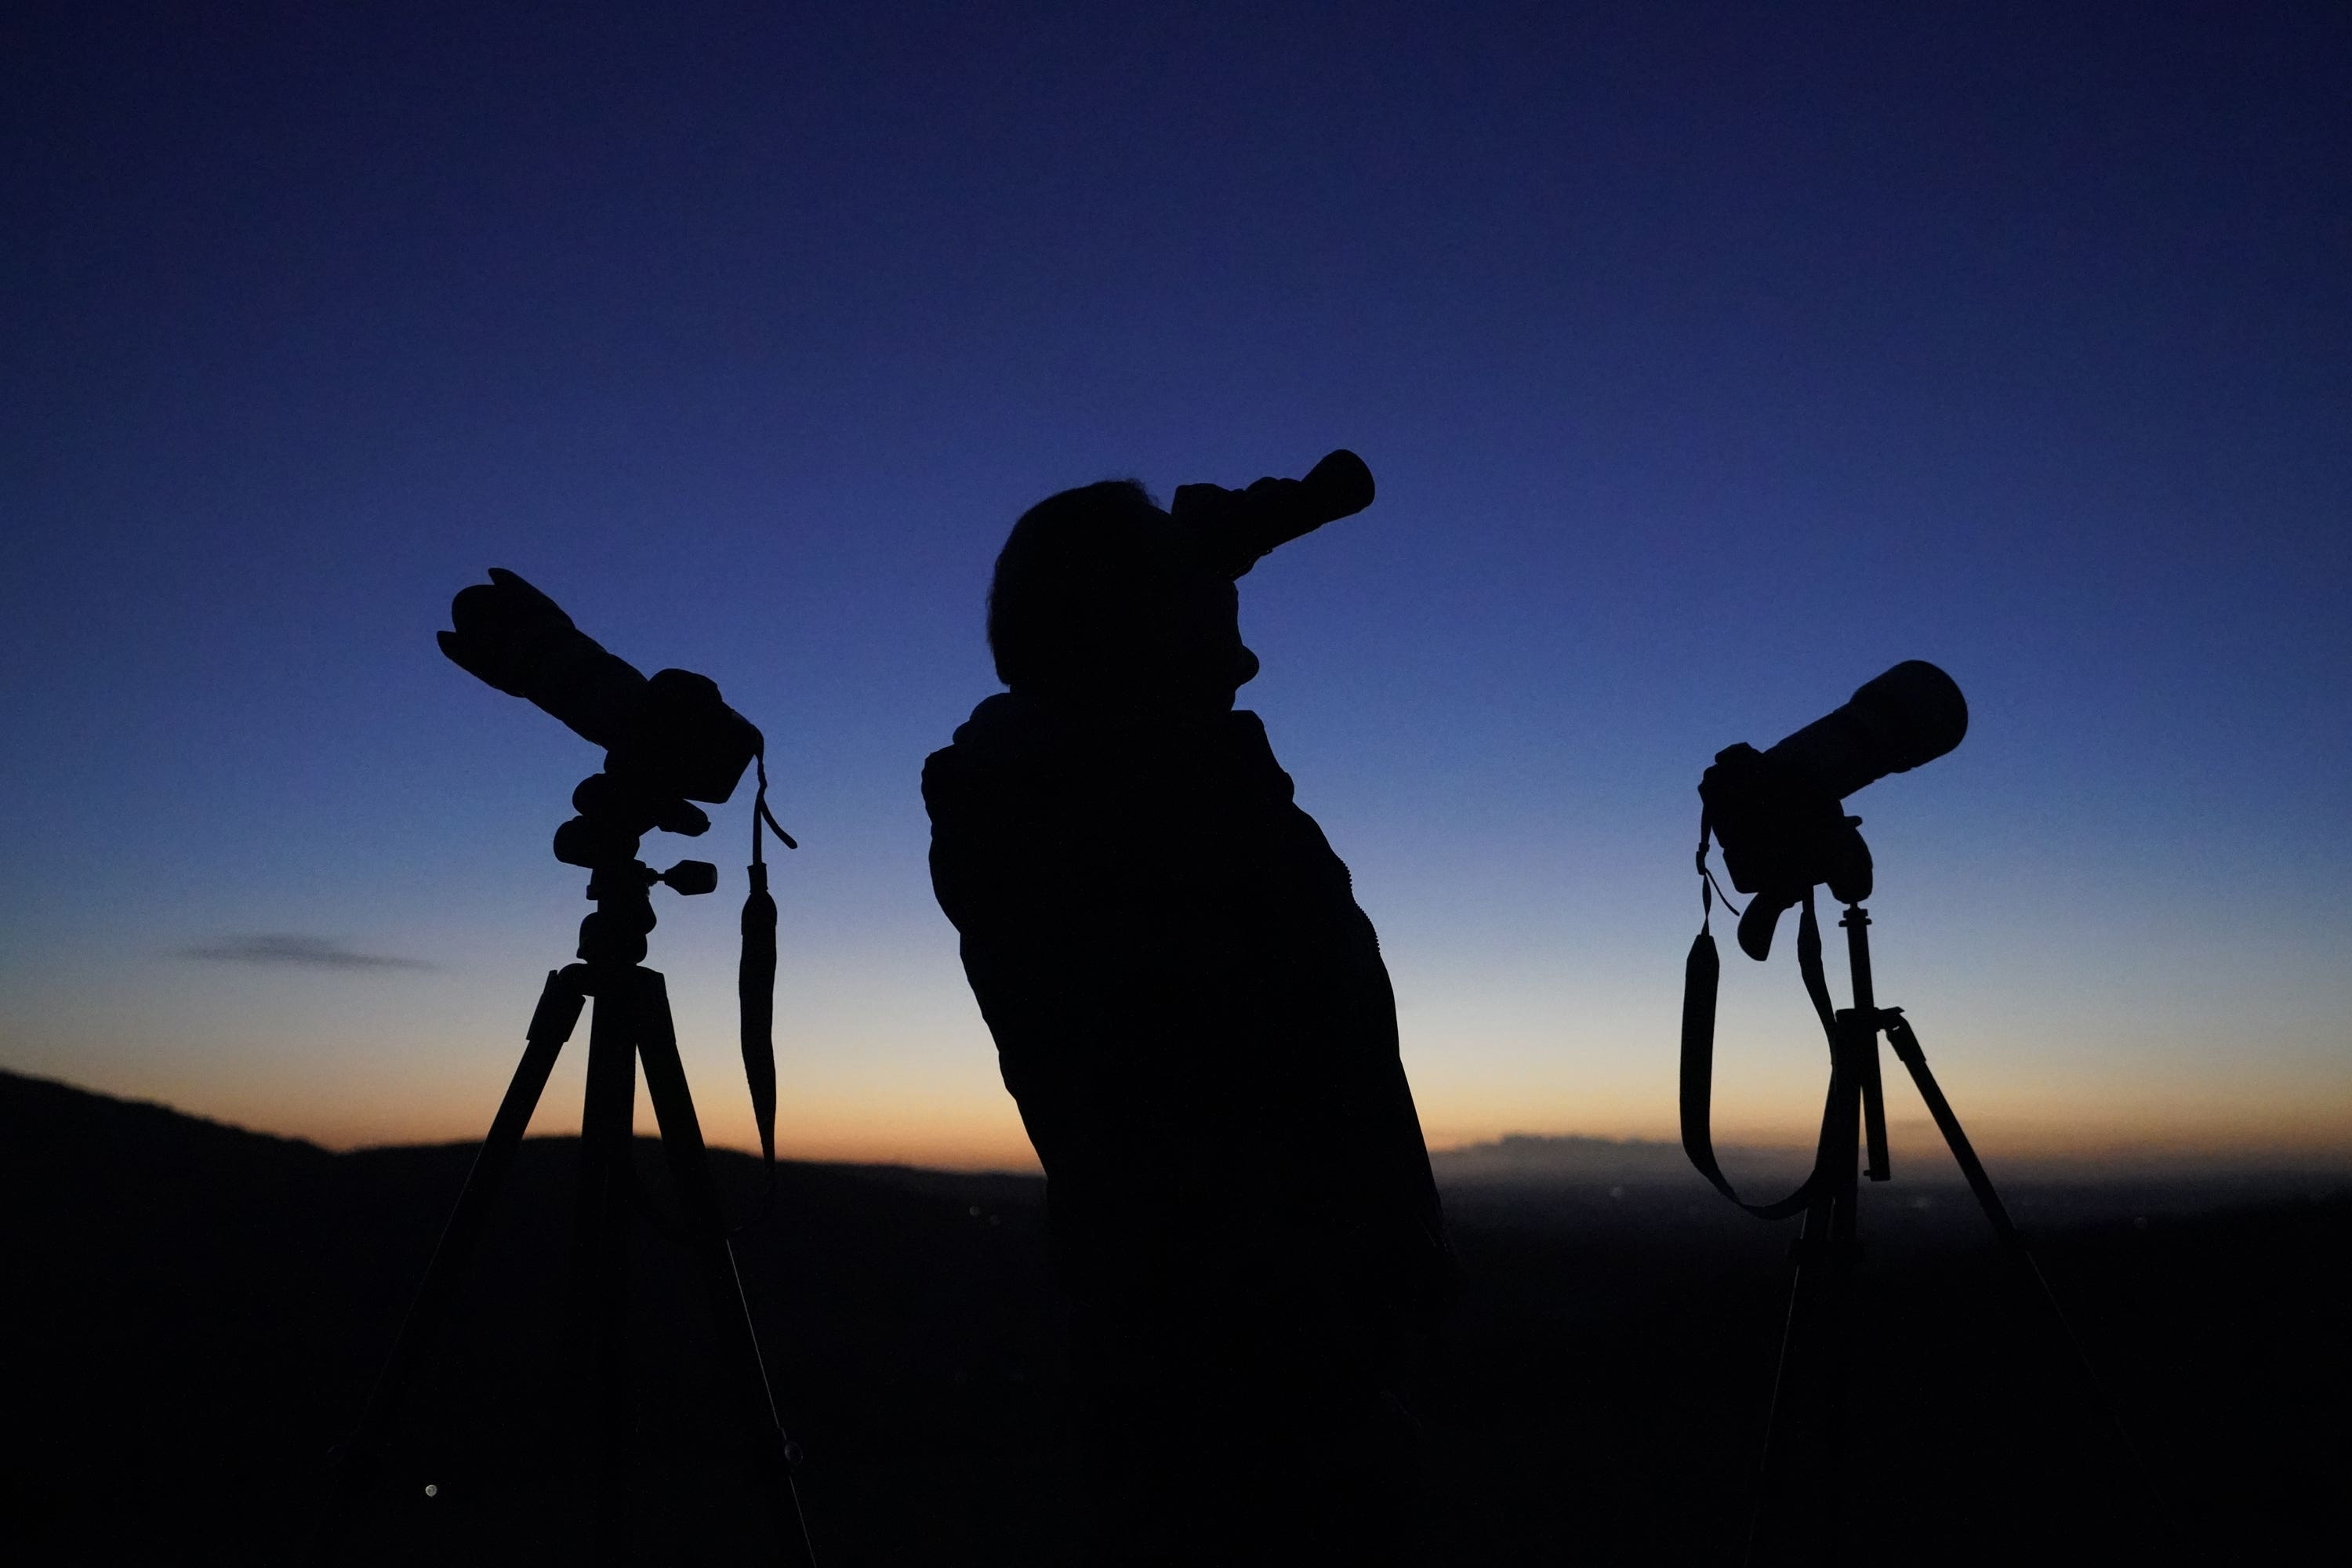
1530 1157
297 952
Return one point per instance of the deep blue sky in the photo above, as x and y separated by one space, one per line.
1711 359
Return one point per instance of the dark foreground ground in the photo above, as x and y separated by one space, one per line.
192 1314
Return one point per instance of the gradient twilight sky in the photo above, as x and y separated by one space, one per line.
1711 358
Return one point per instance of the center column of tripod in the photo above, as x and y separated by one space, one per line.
612 946
1862 1028
1859 1098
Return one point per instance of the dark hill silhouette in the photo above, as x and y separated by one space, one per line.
193 1312
198 1312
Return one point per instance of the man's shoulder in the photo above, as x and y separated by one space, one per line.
987 741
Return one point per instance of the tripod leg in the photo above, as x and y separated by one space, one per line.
1798 1517
1906 1047
600 1256
689 1165
552 1023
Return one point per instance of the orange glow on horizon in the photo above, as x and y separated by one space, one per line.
958 1130
987 1140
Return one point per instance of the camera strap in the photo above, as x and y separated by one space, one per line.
755 976
1701 973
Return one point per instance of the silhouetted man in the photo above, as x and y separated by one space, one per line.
1193 1015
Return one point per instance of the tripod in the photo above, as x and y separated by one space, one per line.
631 1024
1795 1523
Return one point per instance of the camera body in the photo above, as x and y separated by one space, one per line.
1778 815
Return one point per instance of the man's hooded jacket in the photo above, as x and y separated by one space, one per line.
1193 1015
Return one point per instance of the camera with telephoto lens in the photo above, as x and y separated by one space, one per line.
669 741
1777 812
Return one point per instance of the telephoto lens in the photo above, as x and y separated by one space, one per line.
1912 714
515 637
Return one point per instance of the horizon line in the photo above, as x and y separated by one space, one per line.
2167 1152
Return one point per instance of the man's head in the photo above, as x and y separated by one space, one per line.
1101 599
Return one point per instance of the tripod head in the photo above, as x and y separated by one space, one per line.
614 932
603 838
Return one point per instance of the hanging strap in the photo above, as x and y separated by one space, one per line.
1701 973
755 977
